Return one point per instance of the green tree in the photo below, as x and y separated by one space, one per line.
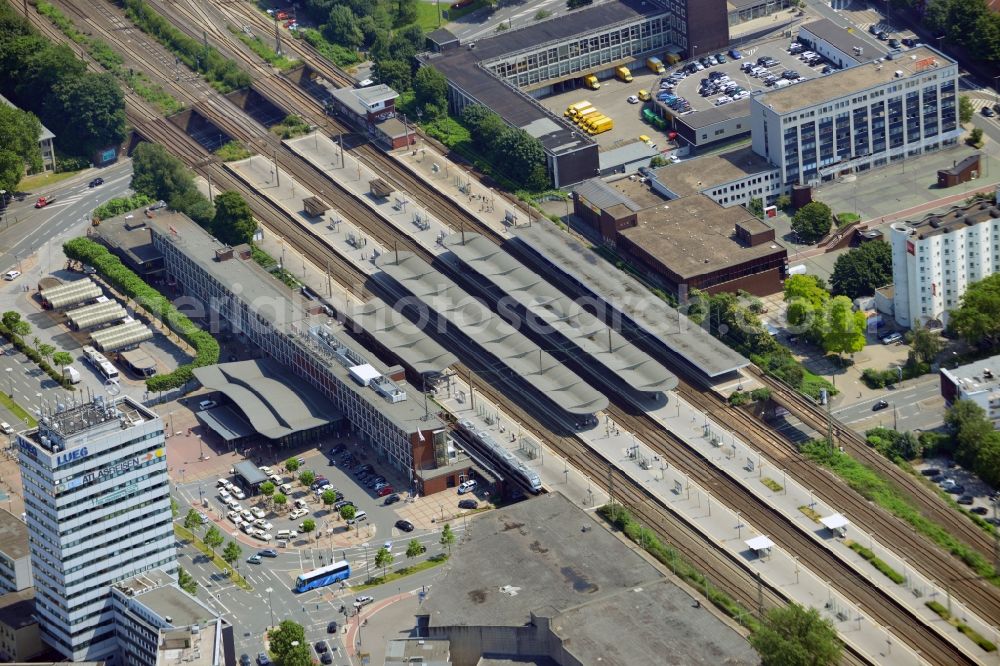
61 358
394 73
342 28
233 223
861 270
384 559
988 460
970 427
783 202
187 581
521 157
213 538
267 489
13 322
92 111
195 205
36 342
44 68
158 174
307 477
756 208
329 497
414 548
447 537
308 525
812 221
347 512
807 300
977 318
279 499
232 552
19 132
292 464
288 639
11 170
796 636
657 161
482 123
192 520
46 350
965 109
976 136
926 344
406 12
430 90
845 328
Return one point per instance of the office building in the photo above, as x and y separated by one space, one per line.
159 624
936 259
15 557
978 382
97 500
508 72
858 118
387 413
45 142
20 638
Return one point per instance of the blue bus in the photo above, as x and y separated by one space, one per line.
323 576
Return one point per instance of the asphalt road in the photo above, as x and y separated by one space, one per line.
26 230
483 23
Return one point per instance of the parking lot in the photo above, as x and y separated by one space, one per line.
612 101
688 88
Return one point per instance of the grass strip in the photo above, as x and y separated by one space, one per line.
877 562
17 410
971 633
183 533
772 484
810 513
265 52
429 563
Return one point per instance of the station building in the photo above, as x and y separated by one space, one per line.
95 478
375 400
508 72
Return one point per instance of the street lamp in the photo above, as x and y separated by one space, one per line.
368 566
269 607
10 383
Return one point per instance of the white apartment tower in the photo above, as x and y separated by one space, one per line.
935 259
97 500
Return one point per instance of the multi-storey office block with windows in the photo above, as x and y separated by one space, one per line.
936 259
97 499
858 118
15 556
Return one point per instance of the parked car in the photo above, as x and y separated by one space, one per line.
263 659
468 504
967 500
244 660
11 275
207 404
930 471
254 559
467 486
391 499
881 404
892 338
404 525
388 490
988 112
979 510
321 647
331 627
735 54
326 659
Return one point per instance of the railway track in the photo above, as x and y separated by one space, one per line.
314 249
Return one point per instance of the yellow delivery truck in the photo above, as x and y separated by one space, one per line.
572 109
602 125
655 65
590 80
622 74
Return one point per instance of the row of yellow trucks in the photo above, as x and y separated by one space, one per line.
622 73
589 119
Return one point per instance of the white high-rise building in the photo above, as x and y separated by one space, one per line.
97 500
935 259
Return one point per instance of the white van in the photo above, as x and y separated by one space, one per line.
782 83
5 427
359 517
286 535
466 486
285 488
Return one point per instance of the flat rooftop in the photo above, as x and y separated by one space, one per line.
130 234
980 376
17 609
843 39
466 67
630 297
591 335
958 217
693 235
13 536
157 591
703 173
575 572
77 419
267 297
852 80
518 353
717 114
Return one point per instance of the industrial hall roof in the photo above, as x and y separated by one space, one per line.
402 337
493 334
595 338
630 297
274 401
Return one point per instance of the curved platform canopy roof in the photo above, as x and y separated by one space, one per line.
629 297
400 335
519 354
591 335
274 401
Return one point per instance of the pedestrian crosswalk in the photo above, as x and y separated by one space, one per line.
978 104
